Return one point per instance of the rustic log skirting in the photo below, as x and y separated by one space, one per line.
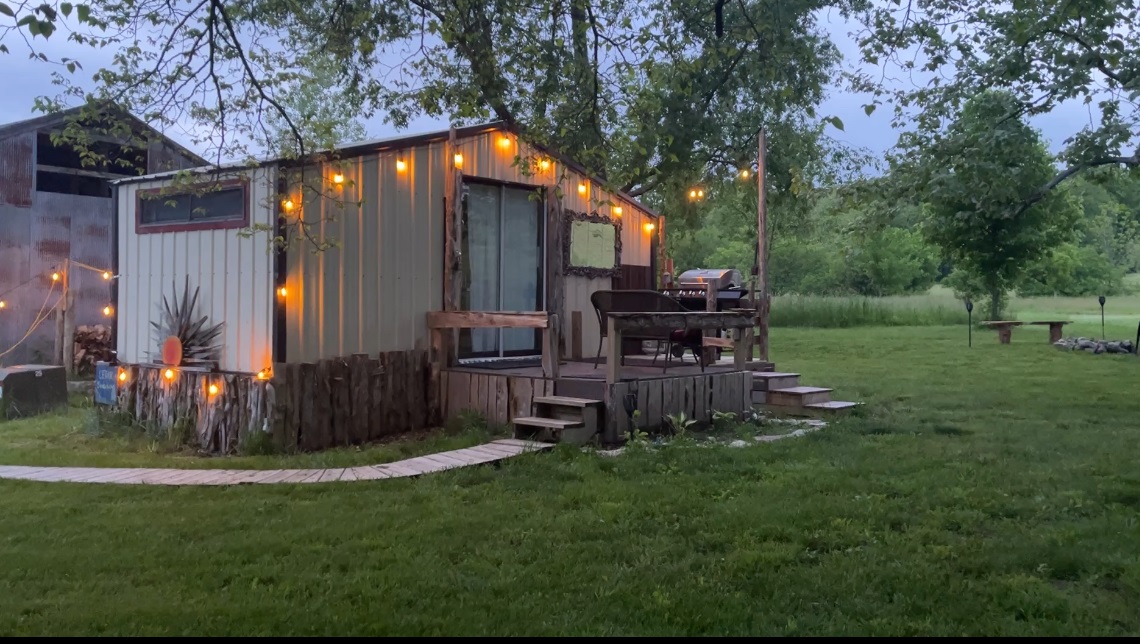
310 406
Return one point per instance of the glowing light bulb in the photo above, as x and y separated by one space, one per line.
122 376
504 142
581 188
107 310
168 374
338 178
55 277
282 291
617 211
106 275
401 165
288 205
263 374
700 194
649 228
692 194
544 165
213 389
458 160
744 174
3 304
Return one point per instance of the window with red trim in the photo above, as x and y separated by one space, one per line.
220 206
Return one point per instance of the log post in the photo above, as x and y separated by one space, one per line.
764 300
613 353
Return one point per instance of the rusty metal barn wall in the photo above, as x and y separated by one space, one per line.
234 273
33 242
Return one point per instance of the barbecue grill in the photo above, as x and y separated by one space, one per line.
727 282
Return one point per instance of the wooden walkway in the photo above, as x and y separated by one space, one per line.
478 455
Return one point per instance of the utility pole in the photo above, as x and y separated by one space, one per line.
763 298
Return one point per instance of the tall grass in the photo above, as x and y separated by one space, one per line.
833 312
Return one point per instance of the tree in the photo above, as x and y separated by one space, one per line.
978 177
1043 54
320 109
649 94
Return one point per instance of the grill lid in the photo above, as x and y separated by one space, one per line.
722 278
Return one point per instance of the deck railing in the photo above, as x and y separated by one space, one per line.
440 321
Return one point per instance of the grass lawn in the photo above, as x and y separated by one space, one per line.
989 491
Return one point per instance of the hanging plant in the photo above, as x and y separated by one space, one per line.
198 338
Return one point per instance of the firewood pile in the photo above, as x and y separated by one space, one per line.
92 344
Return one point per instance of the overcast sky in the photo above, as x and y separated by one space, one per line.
24 80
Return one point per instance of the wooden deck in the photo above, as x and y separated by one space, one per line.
636 368
430 463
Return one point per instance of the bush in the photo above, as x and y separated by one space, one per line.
893 262
805 268
1072 270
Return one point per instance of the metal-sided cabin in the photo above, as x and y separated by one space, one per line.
459 277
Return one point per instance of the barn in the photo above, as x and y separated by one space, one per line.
57 217
383 287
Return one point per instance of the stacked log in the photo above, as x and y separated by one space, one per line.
92 344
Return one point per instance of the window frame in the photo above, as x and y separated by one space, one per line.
233 223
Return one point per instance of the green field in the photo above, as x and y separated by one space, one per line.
989 491
939 307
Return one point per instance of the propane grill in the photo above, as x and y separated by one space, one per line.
727 283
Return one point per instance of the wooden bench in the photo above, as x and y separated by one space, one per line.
1055 327
1004 328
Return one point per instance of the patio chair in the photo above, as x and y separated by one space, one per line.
645 301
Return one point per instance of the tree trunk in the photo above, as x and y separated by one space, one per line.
995 303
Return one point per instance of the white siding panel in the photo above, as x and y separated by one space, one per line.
234 275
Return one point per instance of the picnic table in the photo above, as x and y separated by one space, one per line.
1005 328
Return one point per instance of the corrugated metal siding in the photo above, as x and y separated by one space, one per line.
17 178
578 291
372 293
235 274
35 240
484 157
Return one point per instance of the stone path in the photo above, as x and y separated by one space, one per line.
478 455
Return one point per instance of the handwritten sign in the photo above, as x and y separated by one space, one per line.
106 386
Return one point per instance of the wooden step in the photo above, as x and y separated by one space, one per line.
759 397
575 431
546 423
830 408
566 401
770 380
798 396
833 406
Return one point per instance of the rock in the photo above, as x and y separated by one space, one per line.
1088 345
738 443
1099 349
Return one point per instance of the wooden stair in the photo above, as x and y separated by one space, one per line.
560 419
782 393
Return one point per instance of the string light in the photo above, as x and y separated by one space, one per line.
282 291
122 375
617 211
581 188
692 194
288 205
3 304
338 178
55 276
700 194
106 275
504 142
168 374
263 374
744 174
213 389
458 160
544 165
107 310
649 227
401 165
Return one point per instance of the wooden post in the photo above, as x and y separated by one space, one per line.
550 349
613 353
764 300
69 330
575 335
742 343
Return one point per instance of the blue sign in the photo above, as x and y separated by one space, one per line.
106 387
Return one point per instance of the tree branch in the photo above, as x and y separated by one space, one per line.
1071 171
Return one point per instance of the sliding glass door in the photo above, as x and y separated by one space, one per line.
502 255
